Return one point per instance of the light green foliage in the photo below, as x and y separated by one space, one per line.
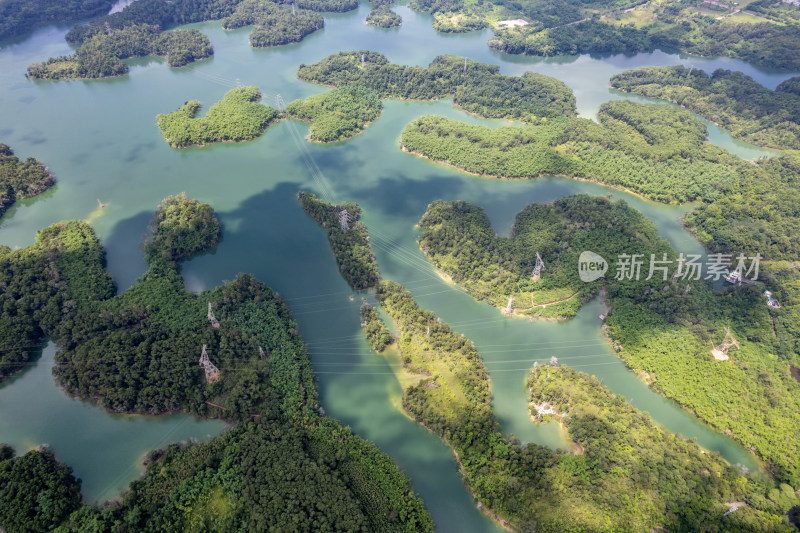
632 476
338 114
239 116
382 15
655 151
19 180
482 90
741 105
36 491
101 54
274 24
662 331
351 247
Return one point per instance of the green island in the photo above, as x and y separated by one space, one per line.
348 238
101 55
475 87
747 109
18 17
655 151
275 24
338 114
253 369
672 485
663 328
382 15
20 180
239 116
142 29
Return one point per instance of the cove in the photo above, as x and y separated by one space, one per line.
101 141
105 451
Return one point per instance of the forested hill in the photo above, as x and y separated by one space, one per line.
21 16
663 328
476 87
656 151
19 180
258 374
737 102
635 476
348 238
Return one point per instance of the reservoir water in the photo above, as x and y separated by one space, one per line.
100 140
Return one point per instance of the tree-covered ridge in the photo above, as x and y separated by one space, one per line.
458 238
381 15
624 452
102 54
348 238
19 180
37 492
656 151
530 486
239 116
43 285
338 114
266 475
737 102
662 328
476 87
21 16
275 24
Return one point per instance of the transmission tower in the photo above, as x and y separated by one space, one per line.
537 269
212 372
344 220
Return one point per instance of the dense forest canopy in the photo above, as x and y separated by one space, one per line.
737 102
663 327
101 55
21 16
37 492
239 116
348 238
275 24
656 151
338 114
20 180
476 87
676 485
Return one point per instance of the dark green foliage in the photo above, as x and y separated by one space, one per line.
101 54
43 284
337 115
239 116
21 16
20 180
270 476
377 333
750 111
36 491
632 476
274 24
350 247
656 151
789 86
181 228
326 6
589 37
482 91
382 15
